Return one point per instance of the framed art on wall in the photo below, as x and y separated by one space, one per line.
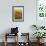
41 8
17 13
41 12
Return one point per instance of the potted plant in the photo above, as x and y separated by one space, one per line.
39 35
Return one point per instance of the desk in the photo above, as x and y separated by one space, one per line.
17 43
8 34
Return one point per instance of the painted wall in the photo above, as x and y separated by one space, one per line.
6 15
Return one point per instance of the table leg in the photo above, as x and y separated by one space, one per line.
5 40
17 39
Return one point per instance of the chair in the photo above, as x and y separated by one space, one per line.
8 36
25 37
14 32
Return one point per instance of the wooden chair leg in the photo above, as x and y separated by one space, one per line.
5 43
17 39
5 40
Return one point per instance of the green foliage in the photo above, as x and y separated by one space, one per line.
39 35
35 27
40 27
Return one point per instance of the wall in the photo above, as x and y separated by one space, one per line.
6 15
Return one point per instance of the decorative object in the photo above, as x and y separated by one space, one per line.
41 8
41 12
18 13
39 36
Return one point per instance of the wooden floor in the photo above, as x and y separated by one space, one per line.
13 44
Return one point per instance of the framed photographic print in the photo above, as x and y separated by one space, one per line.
17 13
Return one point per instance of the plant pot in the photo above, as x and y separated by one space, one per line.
38 40
42 40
